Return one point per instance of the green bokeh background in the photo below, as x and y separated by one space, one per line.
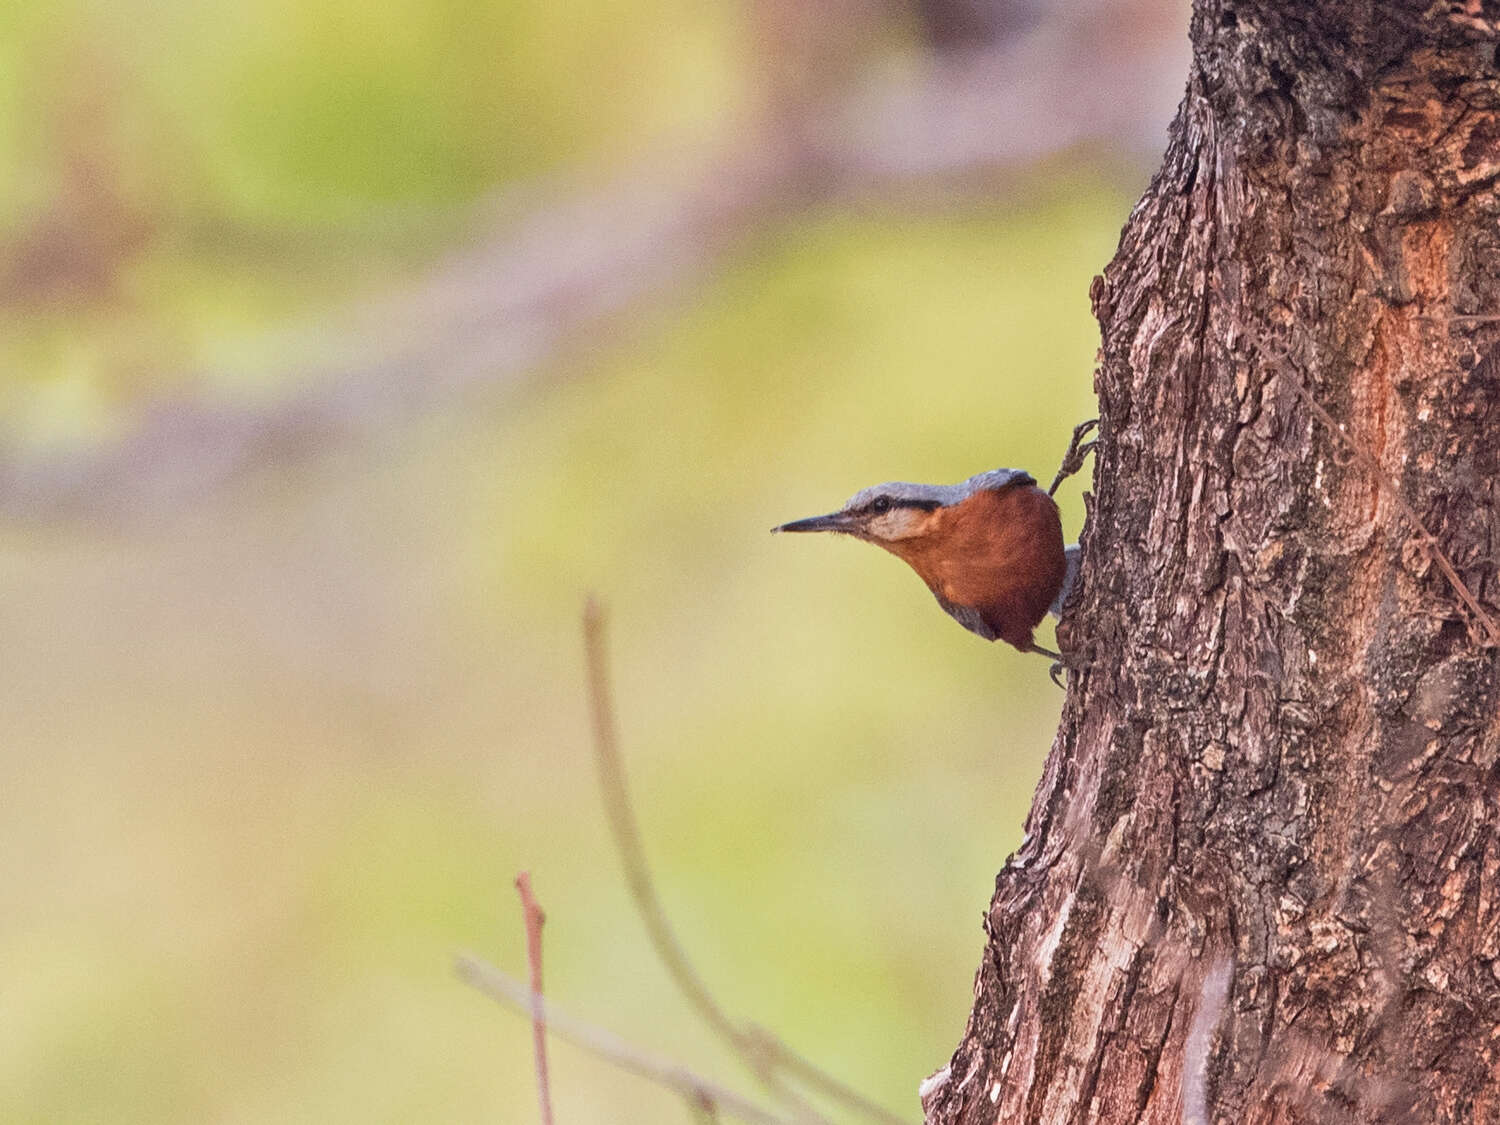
268 763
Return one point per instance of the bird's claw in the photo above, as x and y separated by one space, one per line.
1060 663
1059 667
1078 449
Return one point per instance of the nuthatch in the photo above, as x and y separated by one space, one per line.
991 549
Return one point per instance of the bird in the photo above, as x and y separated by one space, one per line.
989 548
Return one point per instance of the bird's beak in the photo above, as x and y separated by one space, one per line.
834 521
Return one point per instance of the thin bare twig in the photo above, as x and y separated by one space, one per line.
1383 480
534 919
700 1092
766 1056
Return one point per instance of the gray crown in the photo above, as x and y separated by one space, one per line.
940 494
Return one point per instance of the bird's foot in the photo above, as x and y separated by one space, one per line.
1078 449
1060 663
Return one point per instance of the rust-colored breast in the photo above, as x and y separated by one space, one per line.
999 553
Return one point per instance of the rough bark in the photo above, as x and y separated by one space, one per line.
1261 877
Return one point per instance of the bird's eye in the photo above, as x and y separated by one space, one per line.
880 504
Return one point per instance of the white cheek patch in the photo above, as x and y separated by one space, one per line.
898 523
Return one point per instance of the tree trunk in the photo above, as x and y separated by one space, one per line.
1261 877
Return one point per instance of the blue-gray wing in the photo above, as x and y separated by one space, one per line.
967 616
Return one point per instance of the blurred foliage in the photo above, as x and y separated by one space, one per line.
175 176
285 114
269 764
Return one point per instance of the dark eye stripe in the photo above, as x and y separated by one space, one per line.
883 504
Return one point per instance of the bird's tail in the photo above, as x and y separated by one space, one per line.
1074 555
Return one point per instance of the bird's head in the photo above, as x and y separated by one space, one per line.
889 513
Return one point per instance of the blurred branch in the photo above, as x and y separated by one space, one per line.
699 1092
534 918
767 1057
532 290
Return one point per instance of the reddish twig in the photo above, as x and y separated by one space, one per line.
1383 480
767 1057
534 919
